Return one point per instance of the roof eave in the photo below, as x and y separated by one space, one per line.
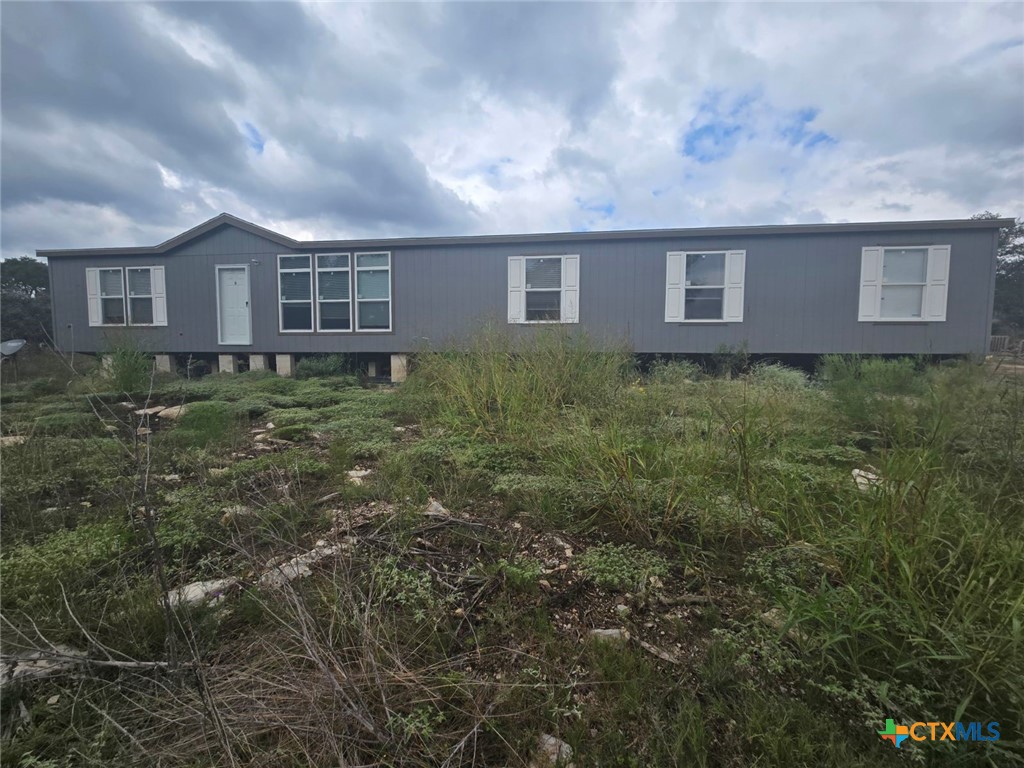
637 234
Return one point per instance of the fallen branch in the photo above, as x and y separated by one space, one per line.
659 652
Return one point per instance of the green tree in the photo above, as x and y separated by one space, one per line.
1009 301
25 300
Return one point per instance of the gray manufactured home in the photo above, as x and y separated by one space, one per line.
239 291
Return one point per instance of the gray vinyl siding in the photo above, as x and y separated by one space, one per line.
801 294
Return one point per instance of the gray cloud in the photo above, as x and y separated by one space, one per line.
125 123
99 65
563 52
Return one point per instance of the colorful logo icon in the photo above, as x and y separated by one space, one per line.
936 731
897 734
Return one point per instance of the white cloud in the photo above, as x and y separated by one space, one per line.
404 119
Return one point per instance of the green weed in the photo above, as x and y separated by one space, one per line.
321 366
622 567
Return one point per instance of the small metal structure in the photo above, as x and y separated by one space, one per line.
9 350
999 344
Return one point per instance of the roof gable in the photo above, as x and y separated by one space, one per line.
176 242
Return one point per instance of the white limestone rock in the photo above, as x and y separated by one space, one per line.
551 753
172 413
209 592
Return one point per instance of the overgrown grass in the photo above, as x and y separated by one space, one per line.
715 517
320 366
127 368
502 388
917 581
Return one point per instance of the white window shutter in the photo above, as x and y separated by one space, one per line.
570 289
870 284
938 283
735 269
674 287
92 292
516 289
159 296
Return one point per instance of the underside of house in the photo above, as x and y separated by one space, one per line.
252 297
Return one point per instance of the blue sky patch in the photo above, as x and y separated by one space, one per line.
796 131
713 141
717 129
253 137
722 123
604 207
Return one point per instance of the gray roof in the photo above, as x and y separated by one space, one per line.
551 237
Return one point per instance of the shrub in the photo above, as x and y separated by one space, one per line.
295 433
730 361
869 392
622 567
322 366
673 372
777 376
128 369
520 573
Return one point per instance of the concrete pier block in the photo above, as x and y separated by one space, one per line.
257 362
285 364
164 364
399 367
227 363
371 369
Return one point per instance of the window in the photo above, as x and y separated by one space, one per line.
112 297
140 296
704 281
295 281
329 278
900 284
373 291
904 273
543 289
144 302
704 286
334 292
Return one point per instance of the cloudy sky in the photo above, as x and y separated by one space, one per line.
127 123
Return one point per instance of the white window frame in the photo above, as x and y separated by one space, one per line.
732 287
123 296
95 297
935 286
569 289
151 295
312 296
349 301
355 285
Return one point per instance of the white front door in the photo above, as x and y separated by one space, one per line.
233 305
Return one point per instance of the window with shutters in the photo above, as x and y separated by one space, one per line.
112 305
704 286
126 296
334 292
543 289
373 291
904 284
295 284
